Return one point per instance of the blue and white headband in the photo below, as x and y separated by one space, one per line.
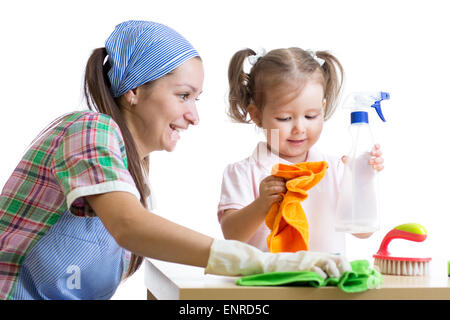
142 51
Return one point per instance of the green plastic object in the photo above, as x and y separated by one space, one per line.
412 227
448 268
360 279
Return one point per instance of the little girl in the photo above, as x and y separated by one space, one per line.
289 93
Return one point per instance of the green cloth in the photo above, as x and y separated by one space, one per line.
360 279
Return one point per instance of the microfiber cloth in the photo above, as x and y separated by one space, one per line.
287 220
360 279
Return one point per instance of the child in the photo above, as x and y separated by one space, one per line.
289 93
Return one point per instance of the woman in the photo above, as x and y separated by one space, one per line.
77 203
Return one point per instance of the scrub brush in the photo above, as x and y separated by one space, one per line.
387 264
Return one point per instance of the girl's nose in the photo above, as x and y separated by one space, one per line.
299 127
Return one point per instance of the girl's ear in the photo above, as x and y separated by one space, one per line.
255 114
324 105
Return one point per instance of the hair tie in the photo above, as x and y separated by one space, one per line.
320 61
252 59
260 52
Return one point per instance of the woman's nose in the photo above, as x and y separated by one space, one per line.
192 115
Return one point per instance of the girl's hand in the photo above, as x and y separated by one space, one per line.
376 161
270 190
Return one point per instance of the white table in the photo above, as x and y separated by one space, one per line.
170 281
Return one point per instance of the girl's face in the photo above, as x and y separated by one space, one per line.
158 114
297 117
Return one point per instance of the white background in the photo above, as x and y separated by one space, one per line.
397 46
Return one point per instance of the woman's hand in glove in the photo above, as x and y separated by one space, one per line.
231 257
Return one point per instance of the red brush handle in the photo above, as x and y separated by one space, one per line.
398 234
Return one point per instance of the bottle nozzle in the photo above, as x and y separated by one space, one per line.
360 102
377 106
384 95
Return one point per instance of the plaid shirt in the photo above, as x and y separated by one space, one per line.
80 154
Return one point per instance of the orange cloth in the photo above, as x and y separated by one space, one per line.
287 220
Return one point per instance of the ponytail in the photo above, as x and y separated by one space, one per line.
240 93
333 74
99 99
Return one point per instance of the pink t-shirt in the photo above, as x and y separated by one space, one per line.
240 187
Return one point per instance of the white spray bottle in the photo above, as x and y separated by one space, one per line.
357 209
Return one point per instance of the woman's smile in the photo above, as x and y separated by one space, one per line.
175 132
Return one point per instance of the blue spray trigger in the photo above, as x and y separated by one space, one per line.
377 106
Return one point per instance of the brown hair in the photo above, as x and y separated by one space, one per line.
278 67
99 98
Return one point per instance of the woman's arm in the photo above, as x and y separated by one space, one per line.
147 234
144 233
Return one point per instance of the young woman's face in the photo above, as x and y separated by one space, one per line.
293 121
165 109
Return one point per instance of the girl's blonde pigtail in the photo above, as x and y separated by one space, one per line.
240 95
334 76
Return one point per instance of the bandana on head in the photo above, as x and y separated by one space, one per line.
142 51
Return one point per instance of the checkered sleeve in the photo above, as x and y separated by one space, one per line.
91 159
